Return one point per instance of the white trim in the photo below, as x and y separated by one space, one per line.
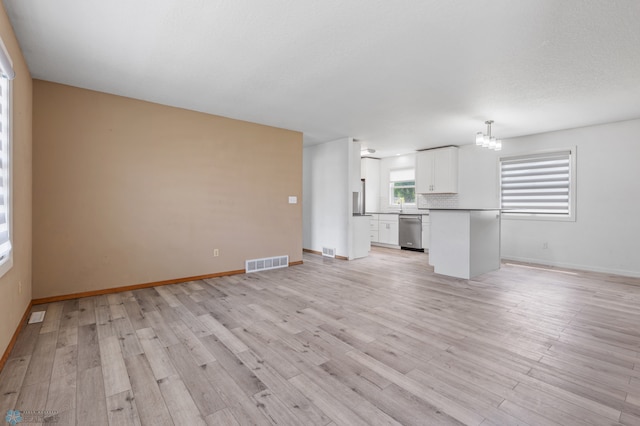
576 266
7 263
6 64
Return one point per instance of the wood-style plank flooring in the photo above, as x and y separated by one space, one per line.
380 340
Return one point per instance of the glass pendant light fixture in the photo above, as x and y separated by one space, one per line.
488 141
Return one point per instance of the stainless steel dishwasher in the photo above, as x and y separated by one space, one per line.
410 232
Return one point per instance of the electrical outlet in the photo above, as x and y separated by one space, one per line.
545 245
216 252
19 287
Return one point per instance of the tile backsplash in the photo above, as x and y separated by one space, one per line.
437 201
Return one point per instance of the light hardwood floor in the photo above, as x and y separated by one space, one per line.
380 340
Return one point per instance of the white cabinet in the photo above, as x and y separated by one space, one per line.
373 228
388 229
437 171
464 243
425 231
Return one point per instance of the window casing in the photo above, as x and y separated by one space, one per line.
402 187
538 186
5 195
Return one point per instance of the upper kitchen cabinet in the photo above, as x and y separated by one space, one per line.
437 171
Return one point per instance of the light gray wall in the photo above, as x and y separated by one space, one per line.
606 234
326 194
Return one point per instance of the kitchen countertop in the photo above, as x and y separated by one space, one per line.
423 212
463 209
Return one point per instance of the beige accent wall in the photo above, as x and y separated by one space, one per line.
129 192
15 298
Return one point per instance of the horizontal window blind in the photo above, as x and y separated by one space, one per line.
537 184
402 175
5 242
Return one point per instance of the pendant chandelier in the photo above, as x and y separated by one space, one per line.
486 140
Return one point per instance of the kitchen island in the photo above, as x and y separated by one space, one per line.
464 243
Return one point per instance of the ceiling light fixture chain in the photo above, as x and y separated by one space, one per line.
488 141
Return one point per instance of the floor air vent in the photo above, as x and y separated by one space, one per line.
256 265
36 317
328 252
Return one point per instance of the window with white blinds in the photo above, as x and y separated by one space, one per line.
539 184
5 241
402 175
402 187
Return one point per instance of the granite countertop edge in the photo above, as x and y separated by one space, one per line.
464 209
423 212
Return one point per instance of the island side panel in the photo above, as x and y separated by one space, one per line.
485 242
449 251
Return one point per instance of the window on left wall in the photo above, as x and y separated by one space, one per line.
6 254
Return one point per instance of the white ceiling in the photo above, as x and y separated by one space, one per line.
398 75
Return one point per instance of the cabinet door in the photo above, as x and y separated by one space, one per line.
445 170
437 171
394 237
388 233
424 172
425 235
383 232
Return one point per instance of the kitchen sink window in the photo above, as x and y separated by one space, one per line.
402 187
539 186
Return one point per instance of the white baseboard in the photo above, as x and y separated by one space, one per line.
590 268
385 245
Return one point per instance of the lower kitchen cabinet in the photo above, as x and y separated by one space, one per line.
388 229
373 231
384 229
425 231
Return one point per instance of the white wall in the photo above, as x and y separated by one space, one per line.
606 234
358 231
354 167
326 194
477 178
370 172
